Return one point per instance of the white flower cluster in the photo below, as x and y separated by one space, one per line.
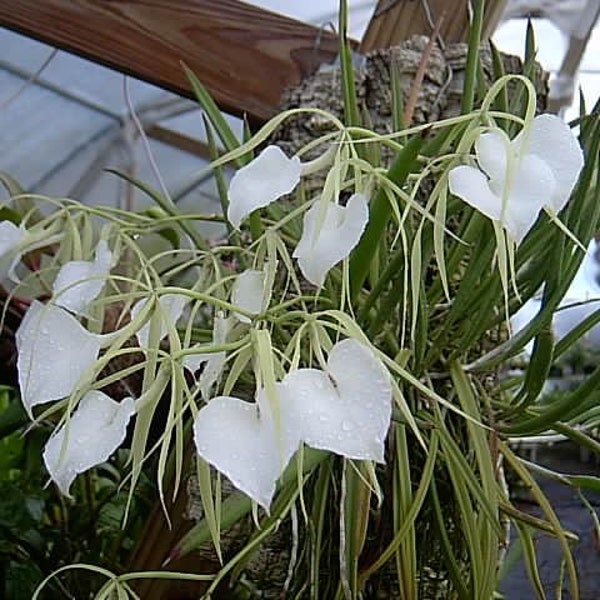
343 408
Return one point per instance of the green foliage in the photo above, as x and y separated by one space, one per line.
40 531
428 290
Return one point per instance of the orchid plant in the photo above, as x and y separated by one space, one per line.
337 352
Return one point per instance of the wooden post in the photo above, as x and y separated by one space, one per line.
396 20
246 56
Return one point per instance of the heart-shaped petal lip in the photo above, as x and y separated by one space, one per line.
94 431
551 140
54 352
346 410
238 439
79 282
169 310
262 181
11 237
519 178
330 233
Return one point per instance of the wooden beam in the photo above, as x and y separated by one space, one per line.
396 20
179 141
246 56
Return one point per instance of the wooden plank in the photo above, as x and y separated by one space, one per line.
245 55
396 20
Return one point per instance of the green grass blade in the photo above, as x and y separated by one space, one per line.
468 98
224 131
380 212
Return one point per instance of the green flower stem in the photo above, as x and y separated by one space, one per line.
220 180
563 409
168 206
418 499
351 113
391 273
470 233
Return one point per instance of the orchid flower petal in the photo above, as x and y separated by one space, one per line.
529 188
11 237
239 441
262 181
533 183
346 410
249 293
551 140
79 282
169 310
491 149
54 351
472 186
94 431
327 239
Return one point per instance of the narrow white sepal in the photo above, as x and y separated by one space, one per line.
262 181
54 352
168 311
249 293
330 233
94 431
79 282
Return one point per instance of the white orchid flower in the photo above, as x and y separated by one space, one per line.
11 241
249 292
94 431
345 409
54 352
169 310
517 179
262 181
329 235
79 282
